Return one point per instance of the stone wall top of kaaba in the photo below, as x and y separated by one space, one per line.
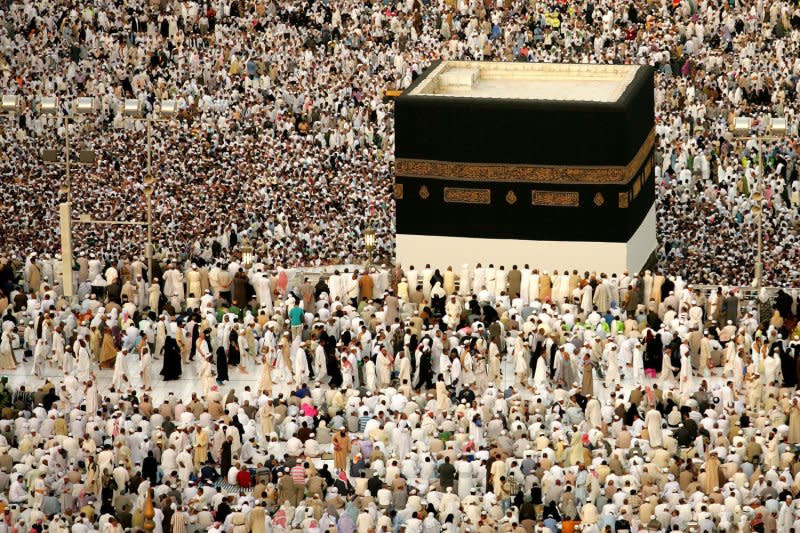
518 119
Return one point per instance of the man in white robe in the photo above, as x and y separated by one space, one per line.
593 414
500 281
412 278
173 286
464 281
120 376
427 274
300 365
524 285
602 297
263 292
653 422
478 279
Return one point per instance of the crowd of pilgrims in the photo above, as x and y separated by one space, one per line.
284 133
479 399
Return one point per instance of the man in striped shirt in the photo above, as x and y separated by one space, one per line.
362 420
298 473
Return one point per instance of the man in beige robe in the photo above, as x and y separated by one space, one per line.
794 422
712 473
341 449
200 447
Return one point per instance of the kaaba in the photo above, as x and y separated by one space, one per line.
513 163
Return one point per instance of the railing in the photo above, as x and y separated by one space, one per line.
296 275
748 297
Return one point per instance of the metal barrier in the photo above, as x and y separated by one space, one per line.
748 297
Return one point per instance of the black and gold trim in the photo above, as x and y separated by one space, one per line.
555 198
467 196
398 191
573 175
446 208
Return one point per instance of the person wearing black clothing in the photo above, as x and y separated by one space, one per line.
134 482
107 497
49 399
474 307
674 358
713 330
223 510
552 360
425 370
551 510
209 473
150 468
326 475
581 400
631 414
653 321
683 436
125 517
321 287
374 484
113 291
226 459
437 278
519 499
788 364
527 511
234 356
467 395
783 303
172 360
168 426
447 474
666 407
667 287
222 366
235 422
690 425
343 486
536 497
195 336
622 526
489 315
334 370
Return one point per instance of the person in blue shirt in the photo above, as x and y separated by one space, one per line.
296 320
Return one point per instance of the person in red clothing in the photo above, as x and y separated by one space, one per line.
243 478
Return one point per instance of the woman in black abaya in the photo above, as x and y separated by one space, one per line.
654 352
234 355
195 335
222 366
172 360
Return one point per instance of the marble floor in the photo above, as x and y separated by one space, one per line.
190 382
182 388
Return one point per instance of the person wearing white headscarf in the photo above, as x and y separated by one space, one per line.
7 361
